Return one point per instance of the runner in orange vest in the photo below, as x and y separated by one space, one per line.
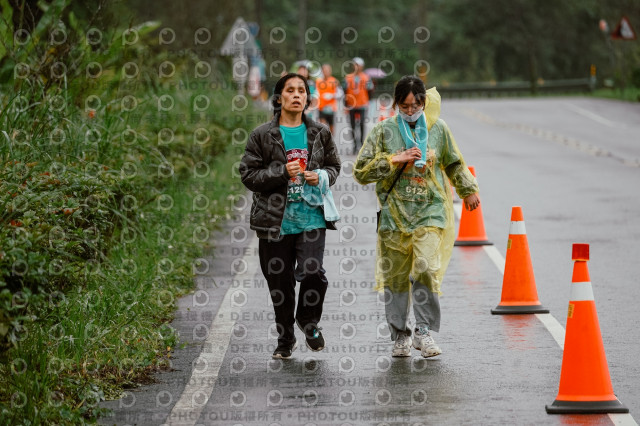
357 90
328 92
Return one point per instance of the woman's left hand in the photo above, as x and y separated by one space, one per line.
471 202
311 178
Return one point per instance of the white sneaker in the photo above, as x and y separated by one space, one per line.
402 347
424 341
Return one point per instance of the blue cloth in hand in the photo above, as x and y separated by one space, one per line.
420 140
320 195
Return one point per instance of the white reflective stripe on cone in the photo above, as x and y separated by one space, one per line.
581 291
517 228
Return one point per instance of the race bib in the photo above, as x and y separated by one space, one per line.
412 188
294 190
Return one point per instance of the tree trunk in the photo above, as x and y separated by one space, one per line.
423 21
258 17
533 69
302 27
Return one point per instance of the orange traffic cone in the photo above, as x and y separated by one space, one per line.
585 384
471 230
519 294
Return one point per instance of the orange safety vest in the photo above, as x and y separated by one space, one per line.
356 92
328 86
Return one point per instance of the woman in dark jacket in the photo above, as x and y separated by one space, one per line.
281 158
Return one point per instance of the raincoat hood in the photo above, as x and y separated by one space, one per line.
432 107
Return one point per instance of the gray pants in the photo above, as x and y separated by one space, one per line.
426 309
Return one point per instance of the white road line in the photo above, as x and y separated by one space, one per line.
591 115
496 257
623 419
204 375
554 327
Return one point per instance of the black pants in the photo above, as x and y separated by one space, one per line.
296 257
357 141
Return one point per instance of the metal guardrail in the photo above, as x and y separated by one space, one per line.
507 88
515 88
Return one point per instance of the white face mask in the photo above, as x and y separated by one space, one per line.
410 118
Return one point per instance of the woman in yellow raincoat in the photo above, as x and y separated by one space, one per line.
416 227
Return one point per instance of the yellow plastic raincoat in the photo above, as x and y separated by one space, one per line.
417 228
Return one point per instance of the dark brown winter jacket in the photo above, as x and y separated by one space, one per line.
263 171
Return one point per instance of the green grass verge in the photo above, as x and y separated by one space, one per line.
111 334
110 182
631 94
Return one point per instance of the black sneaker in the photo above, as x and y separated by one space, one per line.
284 351
313 335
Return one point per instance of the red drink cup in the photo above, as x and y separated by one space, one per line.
302 164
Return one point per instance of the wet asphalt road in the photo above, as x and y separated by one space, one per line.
573 164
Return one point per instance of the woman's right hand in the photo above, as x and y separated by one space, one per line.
409 155
293 168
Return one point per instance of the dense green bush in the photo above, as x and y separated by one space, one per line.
97 217
635 78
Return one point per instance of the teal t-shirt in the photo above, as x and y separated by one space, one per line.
299 216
